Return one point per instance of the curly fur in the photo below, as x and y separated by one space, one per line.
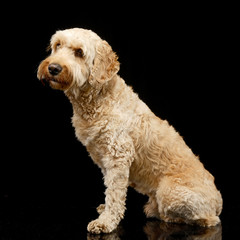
126 140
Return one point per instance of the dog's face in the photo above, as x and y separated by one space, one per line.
78 55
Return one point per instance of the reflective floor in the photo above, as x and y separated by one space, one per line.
156 230
19 229
70 223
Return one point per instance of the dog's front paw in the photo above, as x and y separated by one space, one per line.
99 226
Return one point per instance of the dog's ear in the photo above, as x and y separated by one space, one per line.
105 64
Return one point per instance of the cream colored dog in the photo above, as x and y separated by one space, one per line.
125 139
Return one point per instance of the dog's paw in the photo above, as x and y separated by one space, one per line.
98 226
101 208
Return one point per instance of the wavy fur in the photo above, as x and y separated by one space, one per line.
126 140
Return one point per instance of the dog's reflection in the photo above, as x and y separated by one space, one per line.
107 236
159 230
115 235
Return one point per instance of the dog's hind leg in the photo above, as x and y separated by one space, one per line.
182 204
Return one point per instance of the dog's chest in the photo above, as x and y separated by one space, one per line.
86 132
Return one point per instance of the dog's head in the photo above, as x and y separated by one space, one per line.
77 56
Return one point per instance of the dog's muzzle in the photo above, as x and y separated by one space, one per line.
53 70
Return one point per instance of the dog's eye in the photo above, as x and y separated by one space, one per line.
79 52
58 45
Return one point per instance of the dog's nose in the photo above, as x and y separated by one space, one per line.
54 68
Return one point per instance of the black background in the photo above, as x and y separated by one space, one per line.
180 59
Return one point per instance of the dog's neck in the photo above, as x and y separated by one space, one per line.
89 102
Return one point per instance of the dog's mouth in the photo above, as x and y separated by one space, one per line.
49 80
53 82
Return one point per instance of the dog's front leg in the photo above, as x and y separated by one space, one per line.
116 181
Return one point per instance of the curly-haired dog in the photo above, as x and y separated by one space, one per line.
125 139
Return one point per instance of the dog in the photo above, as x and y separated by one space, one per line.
132 146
